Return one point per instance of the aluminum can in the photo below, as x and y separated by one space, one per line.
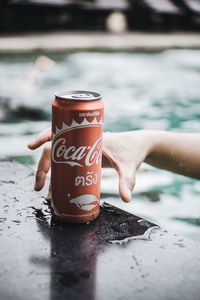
77 133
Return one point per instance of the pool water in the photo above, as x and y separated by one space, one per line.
159 90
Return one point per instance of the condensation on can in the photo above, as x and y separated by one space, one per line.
77 133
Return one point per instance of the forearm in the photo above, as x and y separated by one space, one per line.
173 151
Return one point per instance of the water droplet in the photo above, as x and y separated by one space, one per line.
144 275
2 220
16 200
180 240
144 223
16 221
122 224
180 245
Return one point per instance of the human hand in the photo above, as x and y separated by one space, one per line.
124 151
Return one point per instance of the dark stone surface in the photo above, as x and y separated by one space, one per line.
117 256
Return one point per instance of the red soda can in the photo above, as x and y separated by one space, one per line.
77 133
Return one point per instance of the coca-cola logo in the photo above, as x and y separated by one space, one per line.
63 152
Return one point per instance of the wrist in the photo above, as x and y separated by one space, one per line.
144 142
154 139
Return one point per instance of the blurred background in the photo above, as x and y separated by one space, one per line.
143 56
148 15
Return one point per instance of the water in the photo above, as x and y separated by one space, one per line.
146 237
141 91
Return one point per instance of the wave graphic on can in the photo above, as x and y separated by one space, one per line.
85 202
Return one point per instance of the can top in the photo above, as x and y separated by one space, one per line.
78 95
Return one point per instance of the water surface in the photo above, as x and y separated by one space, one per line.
158 90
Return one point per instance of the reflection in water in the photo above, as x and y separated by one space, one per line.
73 260
73 252
74 248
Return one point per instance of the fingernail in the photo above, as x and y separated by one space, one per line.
129 193
36 188
48 198
30 145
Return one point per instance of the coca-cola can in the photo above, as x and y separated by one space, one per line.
77 133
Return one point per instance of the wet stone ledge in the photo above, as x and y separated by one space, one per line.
117 256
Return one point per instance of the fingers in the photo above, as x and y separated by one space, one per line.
118 158
45 160
43 168
43 137
126 183
126 173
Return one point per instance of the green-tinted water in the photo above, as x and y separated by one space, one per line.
141 91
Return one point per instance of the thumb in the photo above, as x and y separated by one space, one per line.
126 182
